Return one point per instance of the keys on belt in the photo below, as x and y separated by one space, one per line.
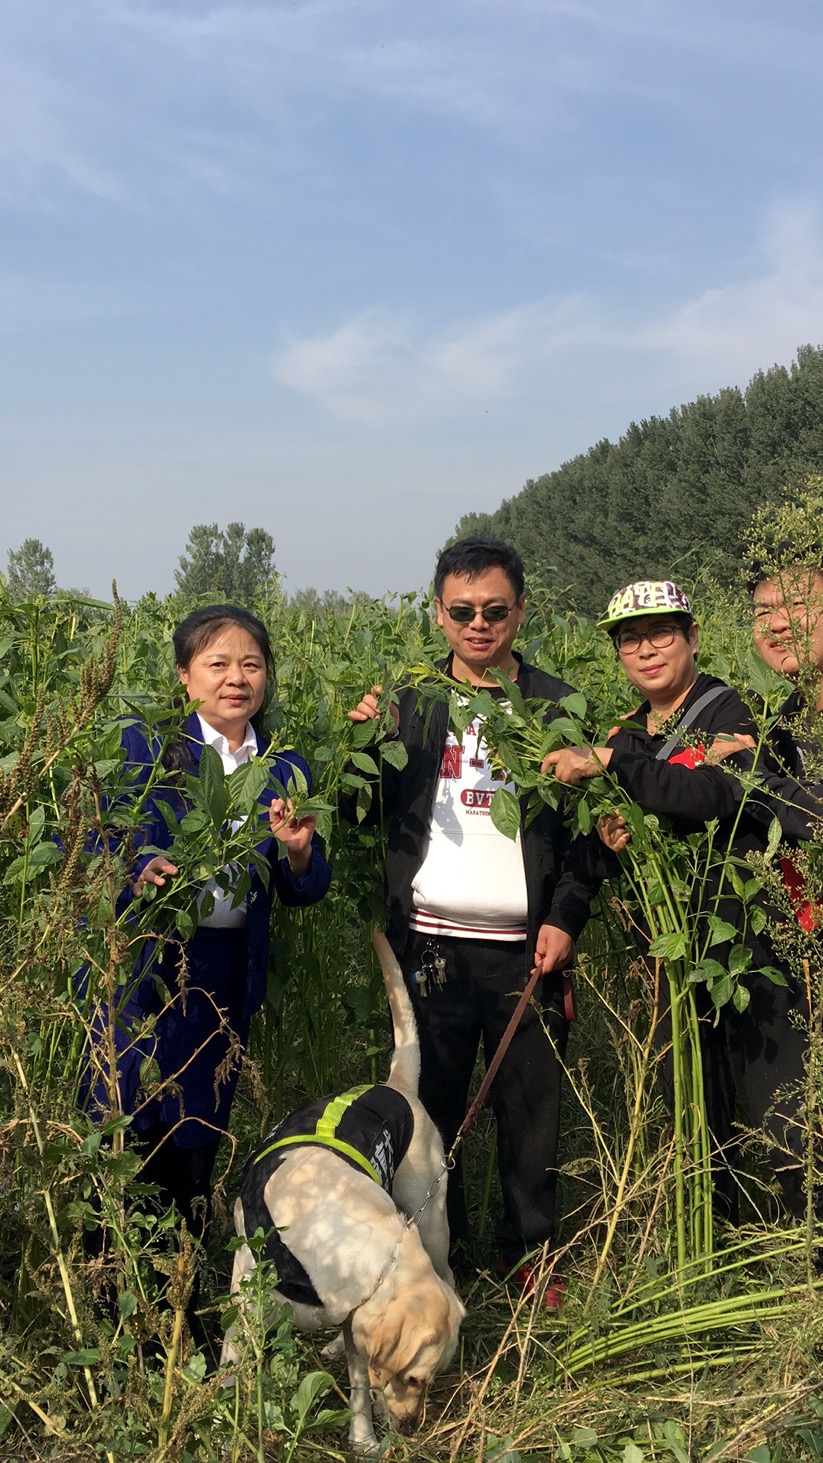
432 970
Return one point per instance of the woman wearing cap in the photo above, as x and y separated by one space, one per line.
663 759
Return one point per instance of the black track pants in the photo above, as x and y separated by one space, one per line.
484 979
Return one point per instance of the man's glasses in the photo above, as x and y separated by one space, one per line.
464 614
659 638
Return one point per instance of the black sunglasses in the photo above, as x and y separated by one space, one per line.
464 614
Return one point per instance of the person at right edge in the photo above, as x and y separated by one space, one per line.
471 913
664 758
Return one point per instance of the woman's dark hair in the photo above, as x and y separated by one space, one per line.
192 636
470 557
200 627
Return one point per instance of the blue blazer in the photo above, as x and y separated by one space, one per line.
311 887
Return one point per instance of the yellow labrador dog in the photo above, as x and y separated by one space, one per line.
339 1185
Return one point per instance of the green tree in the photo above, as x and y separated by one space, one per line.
674 494
30 571
231 564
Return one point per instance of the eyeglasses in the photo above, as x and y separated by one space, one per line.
659 638
464 614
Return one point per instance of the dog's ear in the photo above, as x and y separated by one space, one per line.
395 1341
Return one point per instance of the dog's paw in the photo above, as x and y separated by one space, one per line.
362 1441
334 1349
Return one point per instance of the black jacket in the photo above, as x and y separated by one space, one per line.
690 796
559 888
791 776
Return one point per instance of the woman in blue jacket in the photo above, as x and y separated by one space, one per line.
196 1034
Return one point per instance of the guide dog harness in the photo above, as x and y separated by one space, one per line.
369 1127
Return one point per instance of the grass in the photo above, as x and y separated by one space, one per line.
654 1356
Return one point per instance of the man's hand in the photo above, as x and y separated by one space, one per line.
555 950
368 709
573 764
614 831
153 874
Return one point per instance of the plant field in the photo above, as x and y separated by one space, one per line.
681 1338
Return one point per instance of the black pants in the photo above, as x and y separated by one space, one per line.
754 1061
484 979
181 1174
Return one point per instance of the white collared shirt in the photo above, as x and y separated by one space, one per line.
223 916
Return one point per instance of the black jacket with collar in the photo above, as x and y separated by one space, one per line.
558 884
791 776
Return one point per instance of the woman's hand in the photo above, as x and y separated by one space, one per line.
153 874
614 831
727 744
294 833
573 764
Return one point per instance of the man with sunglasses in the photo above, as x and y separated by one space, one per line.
470 913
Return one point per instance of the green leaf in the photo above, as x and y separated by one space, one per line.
739 959
365 763
740 998
721 990
127 1304
395 753
721 930
757 920
676 1439
195 1368
632 1454
669 947
505 813
574 705
708 971
82 1358
213 789
773 842
774 975
313 1385
584 816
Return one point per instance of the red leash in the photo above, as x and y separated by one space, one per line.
493 1067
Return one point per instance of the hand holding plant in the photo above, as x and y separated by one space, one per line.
614 831
573 764
293 832
153 873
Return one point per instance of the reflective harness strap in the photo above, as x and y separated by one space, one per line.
324 1134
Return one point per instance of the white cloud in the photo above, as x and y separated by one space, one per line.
730 331
384 368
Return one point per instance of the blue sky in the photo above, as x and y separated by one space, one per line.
348 269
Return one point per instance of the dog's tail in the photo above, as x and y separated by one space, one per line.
405 1066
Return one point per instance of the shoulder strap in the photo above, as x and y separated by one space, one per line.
688 720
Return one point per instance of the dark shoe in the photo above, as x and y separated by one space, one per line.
525 1278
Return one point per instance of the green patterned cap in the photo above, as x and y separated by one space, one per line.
646 597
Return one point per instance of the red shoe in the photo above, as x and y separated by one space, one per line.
525 1277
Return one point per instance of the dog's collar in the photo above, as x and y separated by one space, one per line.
390 1263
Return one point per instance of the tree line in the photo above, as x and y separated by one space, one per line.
671 489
